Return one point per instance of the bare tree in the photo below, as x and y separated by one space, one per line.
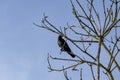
98 29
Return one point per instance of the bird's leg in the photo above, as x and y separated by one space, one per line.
60 51
62 48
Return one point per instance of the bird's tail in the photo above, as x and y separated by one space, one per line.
71 54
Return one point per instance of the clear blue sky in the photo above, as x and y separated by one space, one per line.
23 46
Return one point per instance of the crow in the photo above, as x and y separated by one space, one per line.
64 46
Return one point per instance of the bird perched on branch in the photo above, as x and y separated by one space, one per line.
64 46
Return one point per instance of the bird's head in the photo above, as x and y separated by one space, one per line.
60 37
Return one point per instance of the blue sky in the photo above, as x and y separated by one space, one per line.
23 46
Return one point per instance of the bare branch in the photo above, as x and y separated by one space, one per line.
66 76
92 72
111 56
110 27
64 59
92 29
81 74
98 58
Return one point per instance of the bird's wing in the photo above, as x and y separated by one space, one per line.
61 42
66 47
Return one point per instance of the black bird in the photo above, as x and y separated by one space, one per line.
64 46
